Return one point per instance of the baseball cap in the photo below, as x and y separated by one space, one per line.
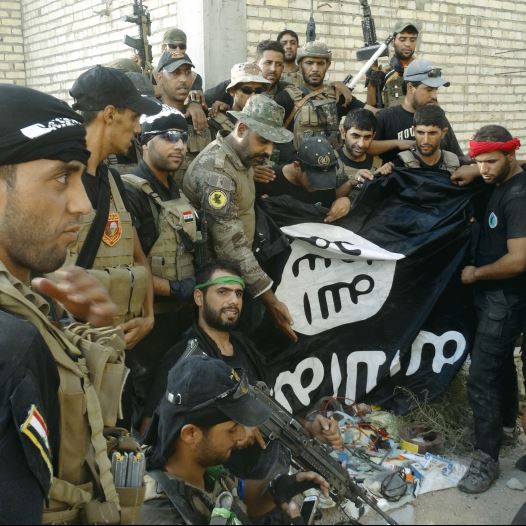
171 60
319 161
401 25
246 72
174 35
424 71
200 384
101 86
142 83
167 119
265 117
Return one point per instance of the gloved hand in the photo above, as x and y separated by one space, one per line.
375 77
284 487
182 290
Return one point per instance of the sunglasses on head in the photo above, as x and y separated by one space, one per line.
247 90
434 73
171 135
177 46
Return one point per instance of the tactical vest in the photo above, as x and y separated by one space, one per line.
351 173
450 162
91 368
170 256
114 265
392 92
314 114
196 144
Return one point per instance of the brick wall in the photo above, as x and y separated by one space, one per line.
461 36
63 38
11 43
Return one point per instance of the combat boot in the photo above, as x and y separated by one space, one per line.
481 474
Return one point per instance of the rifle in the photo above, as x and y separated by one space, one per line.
311 455
141 18
369 35
310 35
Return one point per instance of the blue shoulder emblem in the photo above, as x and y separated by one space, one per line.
493 220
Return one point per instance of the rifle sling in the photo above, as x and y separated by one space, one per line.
89 249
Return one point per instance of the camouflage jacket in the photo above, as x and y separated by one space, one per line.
222 187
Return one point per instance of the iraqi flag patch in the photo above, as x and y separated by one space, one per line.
188 216
35 429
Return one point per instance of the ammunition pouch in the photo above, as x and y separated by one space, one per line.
127 288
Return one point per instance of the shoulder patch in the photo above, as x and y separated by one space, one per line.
35 429
217 199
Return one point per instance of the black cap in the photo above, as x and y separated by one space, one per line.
101 86
203 384
171 60
319 161
168 119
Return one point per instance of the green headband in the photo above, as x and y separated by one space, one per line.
223 280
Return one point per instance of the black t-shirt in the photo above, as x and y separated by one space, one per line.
397 123
140 205
366 164
29 421
282 186
505 219
93 184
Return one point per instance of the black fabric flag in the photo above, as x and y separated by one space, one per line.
376 299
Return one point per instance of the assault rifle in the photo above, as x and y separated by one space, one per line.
141 18
369 35
311 455
310 35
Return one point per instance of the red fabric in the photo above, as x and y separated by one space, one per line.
476 148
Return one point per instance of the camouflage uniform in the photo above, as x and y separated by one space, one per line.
222 187
294 77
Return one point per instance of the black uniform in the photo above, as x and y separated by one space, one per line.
366 164
501 309
29 421
396 123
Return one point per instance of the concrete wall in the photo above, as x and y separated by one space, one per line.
12 68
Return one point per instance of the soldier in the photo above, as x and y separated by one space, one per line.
54 399
270 57
431 126
404 44
291 72
108 242
246 80
315 110
167 227
174 80
220 183
205 414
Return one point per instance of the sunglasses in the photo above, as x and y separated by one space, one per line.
247 90
177 46
240 389
170 136
434 73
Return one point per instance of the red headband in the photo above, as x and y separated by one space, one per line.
477 148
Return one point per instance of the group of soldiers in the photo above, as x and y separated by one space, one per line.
125 215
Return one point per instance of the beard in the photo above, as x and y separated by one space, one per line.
213 319
29 241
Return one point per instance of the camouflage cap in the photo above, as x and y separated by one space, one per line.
315 49
126 65
174 35
246 72
401 25
264 116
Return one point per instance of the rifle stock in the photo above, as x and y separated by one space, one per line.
310 454
141 18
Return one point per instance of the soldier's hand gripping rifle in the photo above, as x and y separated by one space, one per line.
141 18
311 455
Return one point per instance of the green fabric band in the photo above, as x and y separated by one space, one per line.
223 280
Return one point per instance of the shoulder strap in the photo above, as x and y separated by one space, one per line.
451 161
153 197
409 159
299 104
175 490
89 249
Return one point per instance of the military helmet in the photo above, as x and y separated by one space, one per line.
315 49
